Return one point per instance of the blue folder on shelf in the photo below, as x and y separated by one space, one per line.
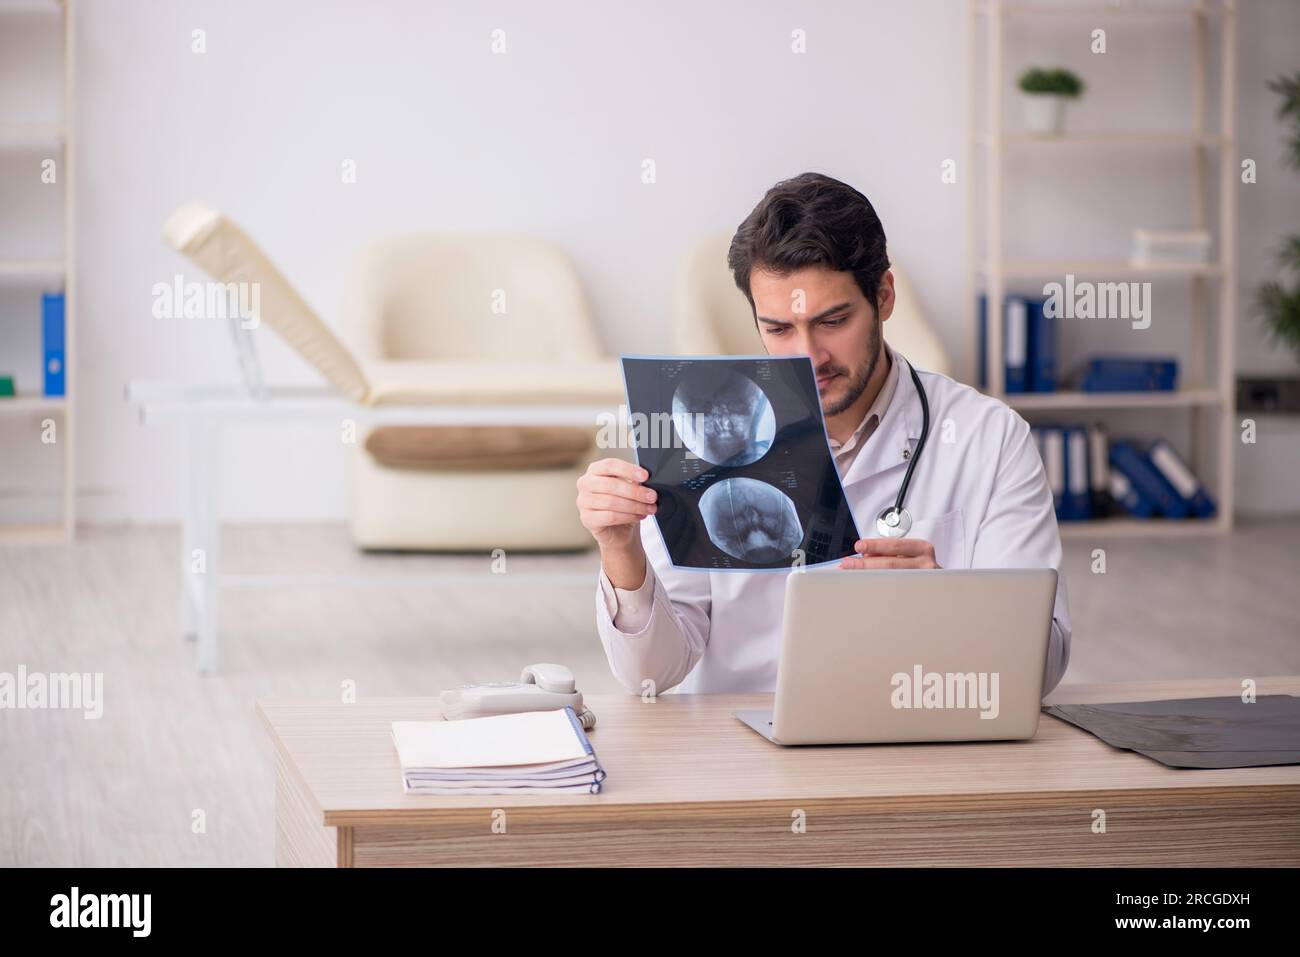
1029 344
1147 480
1180 477
1099 470
1128 498
52 343
1053 451
1076 504
1128 374
1015 343
1042 348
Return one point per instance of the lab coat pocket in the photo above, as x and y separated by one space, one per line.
948 536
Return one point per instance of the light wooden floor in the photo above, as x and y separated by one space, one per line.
123 790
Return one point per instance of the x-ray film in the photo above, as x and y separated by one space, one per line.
737 450
1197 732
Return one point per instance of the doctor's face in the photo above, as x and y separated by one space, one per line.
821 313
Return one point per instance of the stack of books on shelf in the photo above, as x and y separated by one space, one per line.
1093 477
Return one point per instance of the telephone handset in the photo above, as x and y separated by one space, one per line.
541 687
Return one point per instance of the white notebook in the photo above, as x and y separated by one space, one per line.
533 752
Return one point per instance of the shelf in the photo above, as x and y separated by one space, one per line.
1093 9
1179 398
32 270
1102 139
19 404
1207 136
1116 269
1144 527
30 137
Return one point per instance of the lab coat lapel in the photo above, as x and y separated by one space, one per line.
899 429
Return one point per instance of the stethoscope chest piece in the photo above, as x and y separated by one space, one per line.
894 522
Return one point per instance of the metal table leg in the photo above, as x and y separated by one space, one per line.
201 540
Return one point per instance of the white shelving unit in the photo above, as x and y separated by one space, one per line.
36 141
991 271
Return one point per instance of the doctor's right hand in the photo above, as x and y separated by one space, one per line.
611 504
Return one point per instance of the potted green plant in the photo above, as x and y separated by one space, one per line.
1045 93
1277 303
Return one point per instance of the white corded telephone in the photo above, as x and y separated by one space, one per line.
541 687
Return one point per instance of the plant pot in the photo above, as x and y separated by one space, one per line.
1044 113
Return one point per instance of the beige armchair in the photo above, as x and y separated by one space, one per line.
492 310
443 321
712 317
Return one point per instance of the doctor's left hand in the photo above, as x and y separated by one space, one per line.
891 553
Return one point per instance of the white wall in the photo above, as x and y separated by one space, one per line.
547 139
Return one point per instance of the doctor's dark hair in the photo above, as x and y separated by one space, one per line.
811 220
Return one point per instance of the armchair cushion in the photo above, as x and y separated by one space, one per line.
502 447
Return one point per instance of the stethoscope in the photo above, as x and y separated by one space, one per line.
896 521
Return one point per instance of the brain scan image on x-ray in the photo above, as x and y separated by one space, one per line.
724 419
751 520
736 449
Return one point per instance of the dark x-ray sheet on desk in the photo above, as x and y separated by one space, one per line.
1197 732
736 448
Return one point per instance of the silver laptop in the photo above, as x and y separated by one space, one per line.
910 655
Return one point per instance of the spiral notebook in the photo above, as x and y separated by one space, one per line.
535 752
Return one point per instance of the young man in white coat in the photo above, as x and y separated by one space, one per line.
812 261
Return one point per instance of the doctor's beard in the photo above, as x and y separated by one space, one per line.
855 380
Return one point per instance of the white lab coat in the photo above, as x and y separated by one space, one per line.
979 494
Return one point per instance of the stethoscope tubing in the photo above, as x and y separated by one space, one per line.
896 521
920 445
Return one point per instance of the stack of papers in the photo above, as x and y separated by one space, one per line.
536 752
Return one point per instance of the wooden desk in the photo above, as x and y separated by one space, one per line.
690 785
